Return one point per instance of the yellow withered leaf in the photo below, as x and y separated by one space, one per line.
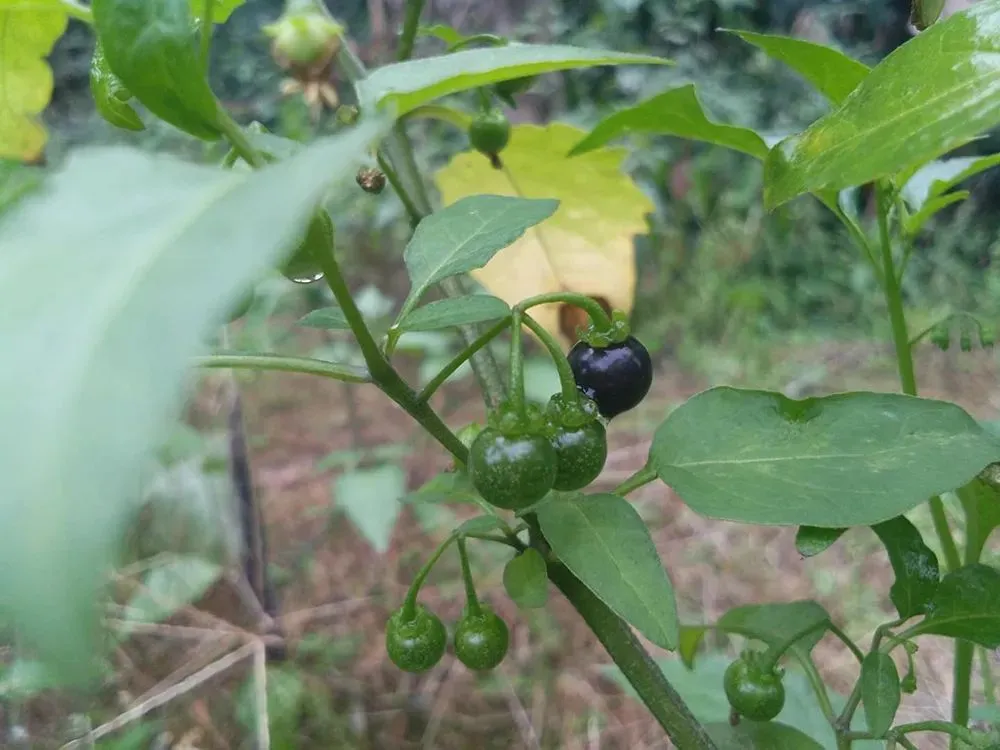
27 32
585 247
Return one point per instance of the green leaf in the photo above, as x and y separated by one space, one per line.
850 459
134 292
444 32
915 222
602 539
829 71
677 112
151 45
446 487
407 85
937 177
967 606
221 9
526 579
287 693
913 562
17 181
110 95
479 525
931 94
811 540
759 735
456 311
465 235
169 587
29 30
329 318
370 498
690 641
980 500
880 691
775 624
25 679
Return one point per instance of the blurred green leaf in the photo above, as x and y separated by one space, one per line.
915 222
286 698
370 498
605 543
133 292
931 94
811 540
880 691
980 500
17 181
329 318
775 624
526 580
151 46
677 113
221 9
829 71
456 311
479 525
913 562
941 175
174 583
110 95
755 735
407 85
849 459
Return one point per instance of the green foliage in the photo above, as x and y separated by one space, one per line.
836 461
811 540
913 562
526 580
760 736
151 46
92 418
110 95
602 539
966 605
170 585
370 498
456 311
776 624
880 691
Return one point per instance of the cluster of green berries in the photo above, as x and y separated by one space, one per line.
416 638
517 459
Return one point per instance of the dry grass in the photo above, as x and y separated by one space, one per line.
550 692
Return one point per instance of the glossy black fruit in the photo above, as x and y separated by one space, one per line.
616 377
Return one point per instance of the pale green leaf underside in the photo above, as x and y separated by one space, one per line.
370 498
330 318
147 254
458 311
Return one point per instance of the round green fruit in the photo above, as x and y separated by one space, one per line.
417 643
512 471
481 639
580 454
489 133
754 692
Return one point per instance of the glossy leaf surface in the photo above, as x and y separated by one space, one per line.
131 292
811 540
933 93
456 311
151 46
829 71
850 459
913 562
678 113
602 539
774 624
409 84
28 31
880 691
966 605
465 235
110 95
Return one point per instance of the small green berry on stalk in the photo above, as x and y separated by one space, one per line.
481 639
415 643
489 134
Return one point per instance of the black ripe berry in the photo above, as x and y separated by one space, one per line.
616 377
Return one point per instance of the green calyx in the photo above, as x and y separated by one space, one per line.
602 338
305 37
511 422
567 413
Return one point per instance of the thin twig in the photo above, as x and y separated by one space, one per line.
260 696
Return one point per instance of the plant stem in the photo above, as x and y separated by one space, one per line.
770 660
238 140
570 393
515 395
642 477
463 356
410 603
636 665
958 733
78 10
412 20
596 313
471 600
846 640
207 26
404 197
306 365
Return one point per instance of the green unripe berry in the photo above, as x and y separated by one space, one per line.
418 643
489 133
481 639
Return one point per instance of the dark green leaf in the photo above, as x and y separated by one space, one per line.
678 113
980 500
480 525
170 586
933 93
880 691
456 311
602 539
110 95
370 498
465 236
775 624
151 45
811 540
967 606
329 318
134 291
913 562
831 72
759 735
849 459
526 579
409 84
